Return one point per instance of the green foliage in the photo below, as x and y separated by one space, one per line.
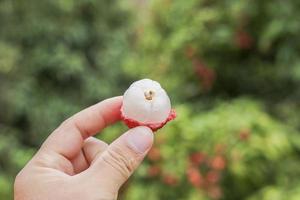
231 47
56 53
253 145
56 57
231 67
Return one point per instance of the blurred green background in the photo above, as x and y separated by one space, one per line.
231 68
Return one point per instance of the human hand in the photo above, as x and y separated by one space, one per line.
71 164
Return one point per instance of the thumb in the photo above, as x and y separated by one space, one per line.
114 166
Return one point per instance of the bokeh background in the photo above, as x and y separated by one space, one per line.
231 68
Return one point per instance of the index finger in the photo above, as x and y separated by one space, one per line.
68 138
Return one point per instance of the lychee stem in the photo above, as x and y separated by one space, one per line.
149 94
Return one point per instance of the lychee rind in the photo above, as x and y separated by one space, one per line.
154 127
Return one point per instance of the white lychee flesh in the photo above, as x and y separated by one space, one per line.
147 102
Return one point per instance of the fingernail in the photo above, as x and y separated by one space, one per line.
140 139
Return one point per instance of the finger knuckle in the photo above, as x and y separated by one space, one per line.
66 123
118 159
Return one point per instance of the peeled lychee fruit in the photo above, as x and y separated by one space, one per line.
146 103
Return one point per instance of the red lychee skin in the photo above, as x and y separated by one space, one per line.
154 127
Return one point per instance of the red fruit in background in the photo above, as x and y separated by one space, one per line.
220 148
154 154
197 158
154 171
190 51
218 163
207 75
243 39
244 134
170 179
194 177
214 192
212 177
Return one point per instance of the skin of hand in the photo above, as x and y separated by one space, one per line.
72 164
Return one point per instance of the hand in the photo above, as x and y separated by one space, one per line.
71 164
